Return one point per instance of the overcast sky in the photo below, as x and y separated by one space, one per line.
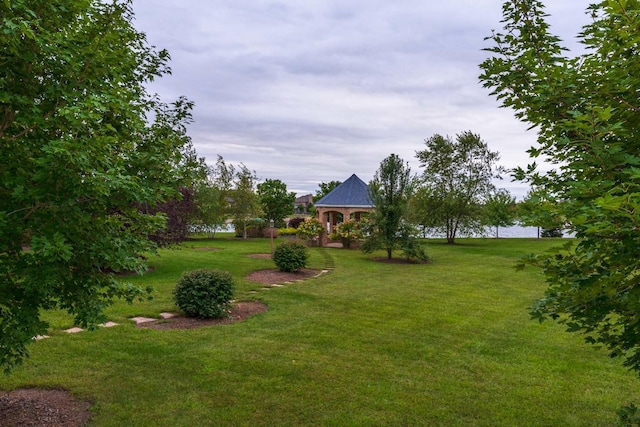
311 91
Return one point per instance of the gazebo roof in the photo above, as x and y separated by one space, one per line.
351 193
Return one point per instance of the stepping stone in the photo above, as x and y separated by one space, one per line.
40 337
275 285
139 320
167 315
109 325
74 330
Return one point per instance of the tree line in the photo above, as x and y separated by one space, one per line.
454 195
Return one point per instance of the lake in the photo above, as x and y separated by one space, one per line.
516 231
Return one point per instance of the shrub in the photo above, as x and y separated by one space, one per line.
414 251
348 231
295 222
255 227
290 231
204 293
290 256
310 229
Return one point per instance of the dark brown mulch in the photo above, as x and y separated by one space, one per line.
239 311
41 407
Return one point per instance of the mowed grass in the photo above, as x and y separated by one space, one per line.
448 343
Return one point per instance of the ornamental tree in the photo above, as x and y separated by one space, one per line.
212 196
457 179
390 191
348 231
275 200
325 188
79 156
244 204
310 229
586 111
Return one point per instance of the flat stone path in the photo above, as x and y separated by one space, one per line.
140 320
166 315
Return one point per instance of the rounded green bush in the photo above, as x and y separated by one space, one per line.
290 256
204 293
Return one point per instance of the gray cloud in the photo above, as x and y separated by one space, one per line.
314 91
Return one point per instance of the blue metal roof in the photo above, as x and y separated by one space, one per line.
352 192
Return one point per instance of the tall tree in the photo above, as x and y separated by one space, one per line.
77 159
458 178
275 201
390 191
426 210
325 188
586 111
245 204
212 197
500 210
178 211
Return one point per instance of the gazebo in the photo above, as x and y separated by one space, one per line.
348 200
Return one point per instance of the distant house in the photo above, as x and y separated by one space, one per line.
303 203
350 199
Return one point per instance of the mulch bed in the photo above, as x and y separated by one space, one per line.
42 407
239 312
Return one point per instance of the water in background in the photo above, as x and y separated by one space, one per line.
516 231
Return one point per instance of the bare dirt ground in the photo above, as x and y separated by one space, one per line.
58 408
42 408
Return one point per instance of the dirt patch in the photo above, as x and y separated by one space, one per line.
276 276
40 407
239 311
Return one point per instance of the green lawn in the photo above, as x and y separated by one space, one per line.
448 343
